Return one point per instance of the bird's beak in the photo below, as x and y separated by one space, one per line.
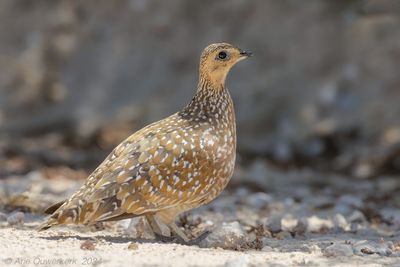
244 53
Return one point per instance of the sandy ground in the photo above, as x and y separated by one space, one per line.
300 218
24 247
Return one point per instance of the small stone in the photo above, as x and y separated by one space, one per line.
16 218
133 246
396 246
267 249
313 248
340 221
269 242
391 215
139 228
342 209
289 202
272 223
241 192
88 245
288 223
258 200
316 224
351 201
355 227
347 203
337 249
283 235
301 227
247 217
363 170
356 217
3 217
367 250
227 235
365 247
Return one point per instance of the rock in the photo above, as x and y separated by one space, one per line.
241 192
363 170
395 248
139 228
365 247
224 203
282 152
272 223
315 249
267 249
342 209
387 184
340 221
133 246
258 200
350 200
316 224
288 223
16 218
283 235
347 203
301 227
247 217
227 236
88 245
270 242
321 202
336 250
356 217
288 202
391 215
3 217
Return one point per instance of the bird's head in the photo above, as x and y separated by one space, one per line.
216 61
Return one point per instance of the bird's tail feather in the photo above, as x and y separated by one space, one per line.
46 225
60 216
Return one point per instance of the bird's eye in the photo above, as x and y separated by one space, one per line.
222 55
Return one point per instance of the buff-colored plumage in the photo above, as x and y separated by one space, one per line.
170 166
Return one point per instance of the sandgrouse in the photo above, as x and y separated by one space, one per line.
168 167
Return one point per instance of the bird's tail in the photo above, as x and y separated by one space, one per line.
46 225
60 214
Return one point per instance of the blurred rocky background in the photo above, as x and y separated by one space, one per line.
317 106
322 91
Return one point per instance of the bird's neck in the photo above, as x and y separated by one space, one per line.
210 104
213 79
210 94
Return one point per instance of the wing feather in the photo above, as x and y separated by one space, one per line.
151 170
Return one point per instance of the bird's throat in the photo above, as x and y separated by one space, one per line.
209 102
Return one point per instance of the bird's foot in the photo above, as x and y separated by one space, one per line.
179 240
163 238
192 242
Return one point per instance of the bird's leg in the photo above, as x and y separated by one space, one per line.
181 237
168 217
158 232
178 231
201 237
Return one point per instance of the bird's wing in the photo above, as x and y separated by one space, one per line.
150 171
